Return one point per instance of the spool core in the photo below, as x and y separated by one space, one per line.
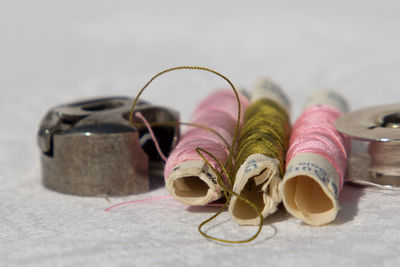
193 183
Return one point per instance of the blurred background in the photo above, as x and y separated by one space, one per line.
53 52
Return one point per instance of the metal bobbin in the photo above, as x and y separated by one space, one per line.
380 127
88 148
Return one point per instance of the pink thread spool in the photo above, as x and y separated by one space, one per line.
188 178
316 161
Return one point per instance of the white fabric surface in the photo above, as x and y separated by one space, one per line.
52 52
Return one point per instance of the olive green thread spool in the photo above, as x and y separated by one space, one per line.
263 142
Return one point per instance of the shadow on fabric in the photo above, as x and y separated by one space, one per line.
348 199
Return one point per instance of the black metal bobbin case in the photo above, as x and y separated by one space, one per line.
88 148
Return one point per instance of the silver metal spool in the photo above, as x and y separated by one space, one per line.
379 127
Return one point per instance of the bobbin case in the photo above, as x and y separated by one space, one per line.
379 127
89 148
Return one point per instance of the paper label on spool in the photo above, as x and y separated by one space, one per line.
329 98
267 89
193 183
315 166
314 202
257 175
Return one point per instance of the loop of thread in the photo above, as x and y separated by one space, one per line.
218 111
314 132
265 131
235 132
229 192
200 151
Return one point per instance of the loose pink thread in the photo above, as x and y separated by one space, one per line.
136 201
152 199
219 112
153 137
314 132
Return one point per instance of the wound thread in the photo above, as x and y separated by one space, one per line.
265 131
314 132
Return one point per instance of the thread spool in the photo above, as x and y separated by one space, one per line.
192 181
260 173
379 128
314 175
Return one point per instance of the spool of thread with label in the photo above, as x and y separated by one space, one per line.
263 142
188 177
316 160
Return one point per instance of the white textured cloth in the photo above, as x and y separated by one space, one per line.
52 52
